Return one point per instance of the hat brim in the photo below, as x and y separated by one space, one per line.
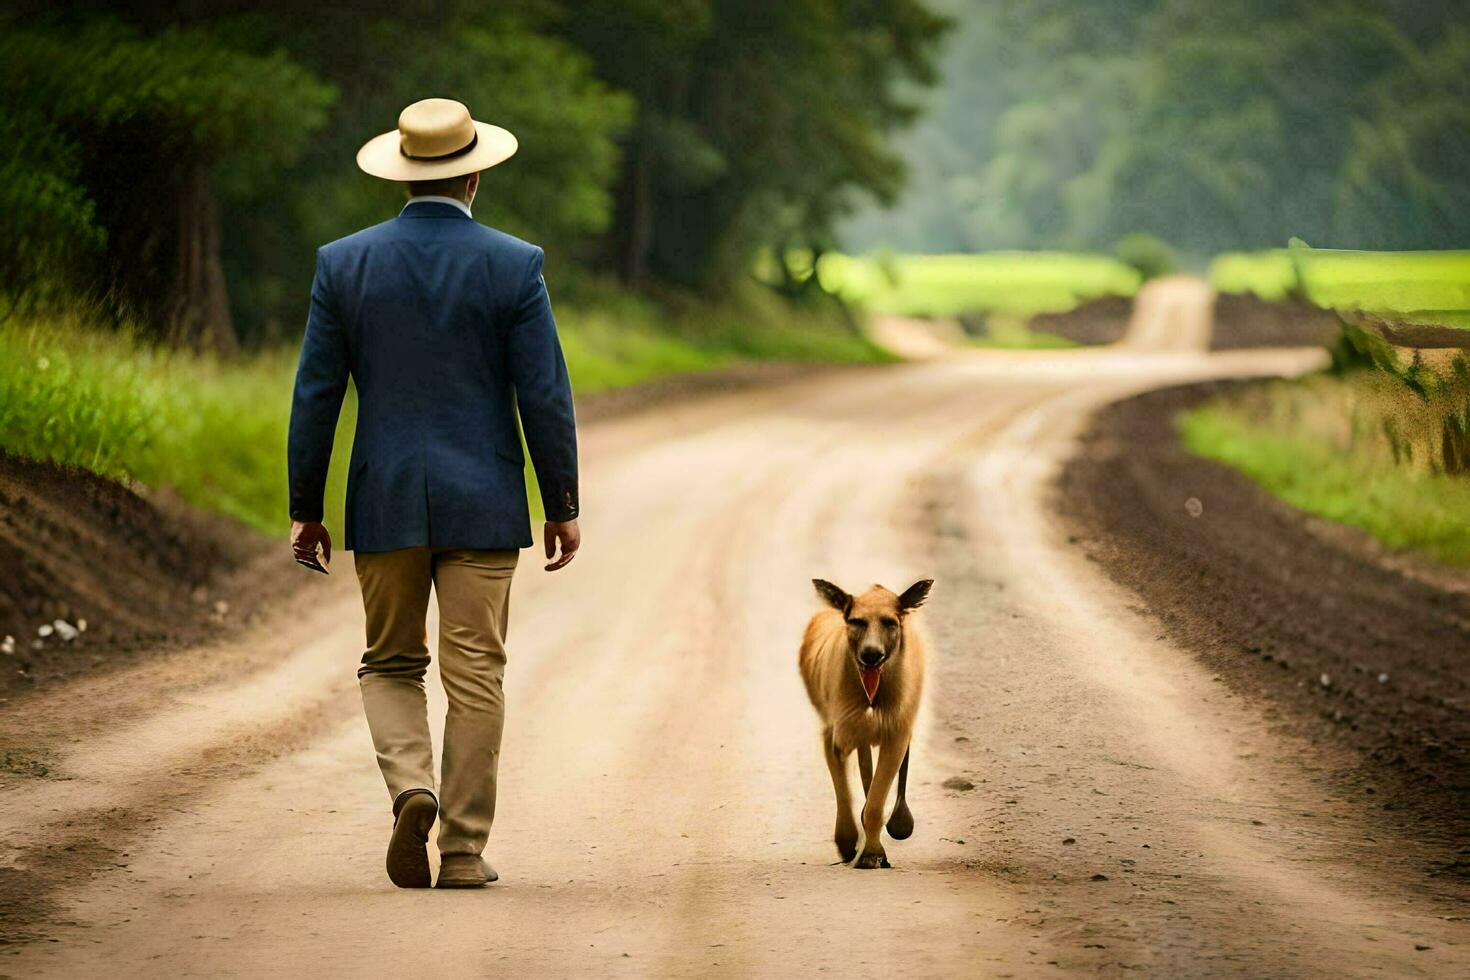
382 157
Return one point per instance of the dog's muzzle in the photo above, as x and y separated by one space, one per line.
870 671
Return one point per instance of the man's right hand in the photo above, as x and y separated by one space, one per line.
305 536
569 536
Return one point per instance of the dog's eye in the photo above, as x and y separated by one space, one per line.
890 624
858 624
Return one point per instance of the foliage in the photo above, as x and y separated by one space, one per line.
123 406
107 125
1021 283
755 121
555 191
664 141
1151 256
1223 126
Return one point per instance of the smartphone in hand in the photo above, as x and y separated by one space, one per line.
314 563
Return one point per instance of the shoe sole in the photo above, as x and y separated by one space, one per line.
466 882
408 849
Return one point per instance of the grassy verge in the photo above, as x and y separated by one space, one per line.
215 430
1013 333
1326 446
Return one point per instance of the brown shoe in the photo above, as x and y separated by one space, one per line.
408 854
464 871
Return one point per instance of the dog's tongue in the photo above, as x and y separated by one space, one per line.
870 677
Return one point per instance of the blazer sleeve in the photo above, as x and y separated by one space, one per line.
544 395
321 381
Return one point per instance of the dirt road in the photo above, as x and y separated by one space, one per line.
664 807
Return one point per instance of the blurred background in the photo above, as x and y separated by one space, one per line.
715 182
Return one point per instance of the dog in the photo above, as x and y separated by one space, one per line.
863 664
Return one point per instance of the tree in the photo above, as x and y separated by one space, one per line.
1228 125
142 124
756 120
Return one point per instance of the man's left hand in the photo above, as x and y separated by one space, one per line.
569 536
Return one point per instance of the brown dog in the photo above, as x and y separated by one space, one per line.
863 664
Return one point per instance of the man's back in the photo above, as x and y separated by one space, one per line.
444 325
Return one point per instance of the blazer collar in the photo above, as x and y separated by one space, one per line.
434 207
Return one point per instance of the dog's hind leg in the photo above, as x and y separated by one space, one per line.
865 767
845 835
901 823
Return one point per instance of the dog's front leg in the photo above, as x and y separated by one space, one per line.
865 767
890 755
846 833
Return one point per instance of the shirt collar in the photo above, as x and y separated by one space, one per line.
438 199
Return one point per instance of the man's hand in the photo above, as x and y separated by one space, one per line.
570 537
305 536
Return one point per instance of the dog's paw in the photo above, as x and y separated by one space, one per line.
846 840
901 824
869 861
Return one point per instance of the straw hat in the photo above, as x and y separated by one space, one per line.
435 139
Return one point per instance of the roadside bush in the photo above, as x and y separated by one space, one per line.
1152 257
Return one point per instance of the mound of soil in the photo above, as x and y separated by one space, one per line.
1246 320
1345 643
140 574
1098 321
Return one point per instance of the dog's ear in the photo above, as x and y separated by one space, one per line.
913 597
833 596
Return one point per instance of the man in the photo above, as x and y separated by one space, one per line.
445 327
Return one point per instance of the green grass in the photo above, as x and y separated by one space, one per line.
1319 445
1012 333
215 431
1269 274
1017 283
1421 287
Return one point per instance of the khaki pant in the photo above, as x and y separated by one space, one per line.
474 602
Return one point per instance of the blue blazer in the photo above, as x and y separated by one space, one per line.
446 329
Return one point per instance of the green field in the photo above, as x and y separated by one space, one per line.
1017 283
215 430
1418 287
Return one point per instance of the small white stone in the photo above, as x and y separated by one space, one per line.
1383 678
221 607
1194 507
81 626
65 630
1326 681
45 629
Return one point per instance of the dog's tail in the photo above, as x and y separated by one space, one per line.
901 823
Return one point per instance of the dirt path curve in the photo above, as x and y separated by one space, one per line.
664 807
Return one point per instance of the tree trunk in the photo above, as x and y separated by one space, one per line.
198 307
636 217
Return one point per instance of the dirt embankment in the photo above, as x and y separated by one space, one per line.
1098 321
96 575
1348 647
1246 321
